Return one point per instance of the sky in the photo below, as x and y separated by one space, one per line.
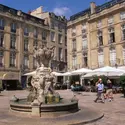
59 7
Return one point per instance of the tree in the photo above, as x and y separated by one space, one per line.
122 81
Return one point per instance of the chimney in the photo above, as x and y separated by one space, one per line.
92 6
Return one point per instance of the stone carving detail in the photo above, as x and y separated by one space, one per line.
42 82
43 55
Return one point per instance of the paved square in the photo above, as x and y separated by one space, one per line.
114 111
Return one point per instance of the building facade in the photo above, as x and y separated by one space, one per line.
58 37
96 36
19 33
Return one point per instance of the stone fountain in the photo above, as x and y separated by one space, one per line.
42 97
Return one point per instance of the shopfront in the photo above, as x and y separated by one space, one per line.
10 80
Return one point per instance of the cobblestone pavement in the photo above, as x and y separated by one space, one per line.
114 112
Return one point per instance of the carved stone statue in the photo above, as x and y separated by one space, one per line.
43 55
42 82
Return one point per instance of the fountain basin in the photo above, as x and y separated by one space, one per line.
63 106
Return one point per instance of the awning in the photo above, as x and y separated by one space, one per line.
10 76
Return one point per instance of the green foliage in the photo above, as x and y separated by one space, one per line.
1 87
96 78
122 81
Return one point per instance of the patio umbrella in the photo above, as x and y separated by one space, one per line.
66 74
108 69
81 71
34 72
111 74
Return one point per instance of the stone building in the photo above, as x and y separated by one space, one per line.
57 37
19 32
96 36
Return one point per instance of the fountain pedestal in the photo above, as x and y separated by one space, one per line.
35 108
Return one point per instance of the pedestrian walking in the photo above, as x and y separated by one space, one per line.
109 91
100 88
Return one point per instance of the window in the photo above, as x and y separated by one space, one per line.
52 25
84 26
111 35
60 38
13 27
113 57
124 55
123 32
44 35
53 36
73 31
26 61
55 54
13 41
1 59
74 62
35 33
26 31
122 15
60 54
100 59
110 20
65 40
60 27
65 55
1 39
99 24
26 44
100 38
2 24
74 44
84 44
35 43
34 63
84 36
85 60
12 59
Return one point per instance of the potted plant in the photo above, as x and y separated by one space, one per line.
122 81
